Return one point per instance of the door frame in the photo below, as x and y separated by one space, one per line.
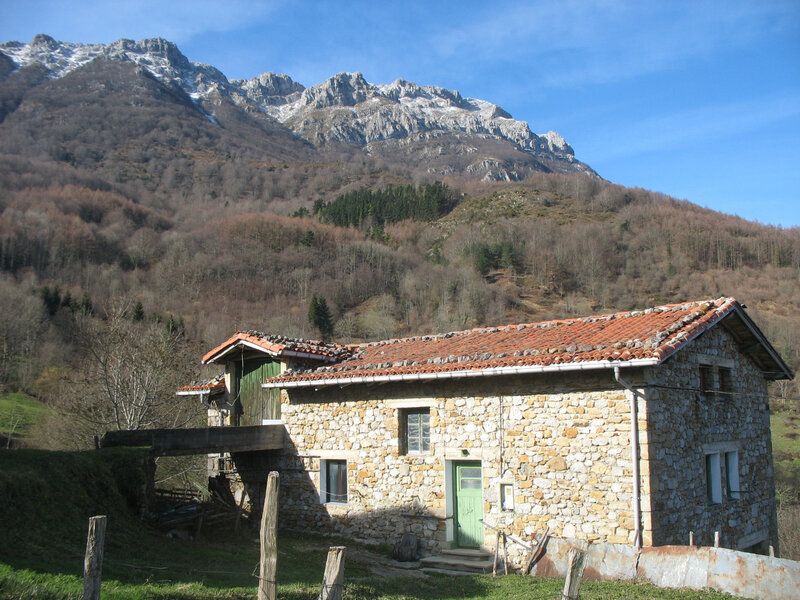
451 489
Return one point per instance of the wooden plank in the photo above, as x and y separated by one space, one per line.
496 554
200 440
93 559
267 579
505 554
536 551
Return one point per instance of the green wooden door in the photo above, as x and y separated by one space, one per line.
256 402
468 512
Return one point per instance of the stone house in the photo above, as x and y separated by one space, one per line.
529 426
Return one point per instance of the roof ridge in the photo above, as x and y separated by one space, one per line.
550 323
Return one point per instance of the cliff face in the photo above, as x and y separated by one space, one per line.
418 126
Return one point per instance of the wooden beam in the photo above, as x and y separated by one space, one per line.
199 440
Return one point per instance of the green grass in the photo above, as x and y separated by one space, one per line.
19 412
785 426
786 431
46 499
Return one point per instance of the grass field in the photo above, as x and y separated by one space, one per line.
223 568
18 413
46 499
786 449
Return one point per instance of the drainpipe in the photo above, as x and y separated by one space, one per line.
637 501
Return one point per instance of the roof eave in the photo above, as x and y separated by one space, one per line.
227 350
466 373
784 369
206 392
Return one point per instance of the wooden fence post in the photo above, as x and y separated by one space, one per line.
267 584
93 559
572 584
333 581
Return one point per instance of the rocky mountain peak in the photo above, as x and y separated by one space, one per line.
42 41
557 143
433 123
343 89
270 88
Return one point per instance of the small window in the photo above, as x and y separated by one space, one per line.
732 475
706 379
725 380
713 479
333 485
507 497
416 430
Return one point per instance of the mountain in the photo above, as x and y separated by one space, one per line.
423 128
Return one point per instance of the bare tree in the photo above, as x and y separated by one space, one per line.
129 373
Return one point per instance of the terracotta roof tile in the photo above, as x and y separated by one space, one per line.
214 384
654 333
279 345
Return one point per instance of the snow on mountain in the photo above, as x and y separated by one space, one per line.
344 109
159 57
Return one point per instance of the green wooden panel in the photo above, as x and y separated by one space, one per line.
258 403
468 513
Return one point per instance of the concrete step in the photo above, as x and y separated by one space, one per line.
457 563
446 572
467 553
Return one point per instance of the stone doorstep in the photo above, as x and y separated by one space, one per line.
468 553
450 572
464 561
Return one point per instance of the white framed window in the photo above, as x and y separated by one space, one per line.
713 478
732 475
722 459
333 481
507 497
415 430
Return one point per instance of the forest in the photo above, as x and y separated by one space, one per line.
87 263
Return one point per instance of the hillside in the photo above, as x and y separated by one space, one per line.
142 117
135 182
550 246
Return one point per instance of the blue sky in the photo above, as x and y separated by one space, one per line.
699 100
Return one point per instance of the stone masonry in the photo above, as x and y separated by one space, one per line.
683 424
562 441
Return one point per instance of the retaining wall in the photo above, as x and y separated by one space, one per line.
739 573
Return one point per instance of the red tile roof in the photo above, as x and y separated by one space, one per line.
279 346
642 336
215 384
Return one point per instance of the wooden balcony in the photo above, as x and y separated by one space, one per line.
200 440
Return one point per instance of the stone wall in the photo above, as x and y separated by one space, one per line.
739 573
684 423
562 441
